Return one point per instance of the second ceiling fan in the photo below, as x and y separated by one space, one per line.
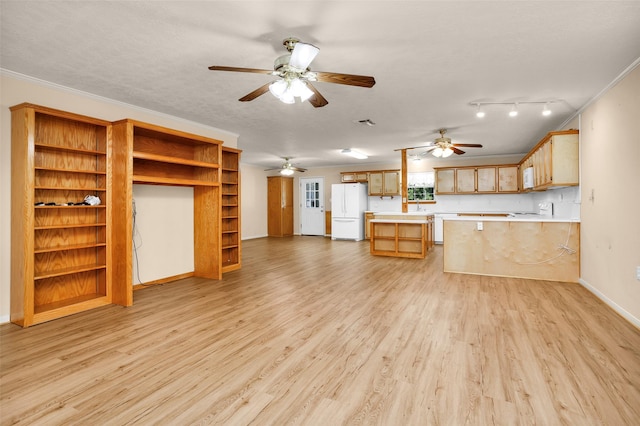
442 146
295 77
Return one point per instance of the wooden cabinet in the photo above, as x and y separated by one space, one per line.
149 154
445 181
231 252
279 206
368 216
61 249
465 181
477 179
384 183
354 177
486 179
555 161
507 179
399 238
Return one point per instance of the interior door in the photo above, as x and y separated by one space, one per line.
312 217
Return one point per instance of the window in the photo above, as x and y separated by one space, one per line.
420 186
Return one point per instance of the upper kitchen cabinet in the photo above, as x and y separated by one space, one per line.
507 178
477 180
354 177
384 183
445 181
554 161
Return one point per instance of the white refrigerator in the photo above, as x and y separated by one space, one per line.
348 203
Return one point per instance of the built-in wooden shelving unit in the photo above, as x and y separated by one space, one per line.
60 248
231 239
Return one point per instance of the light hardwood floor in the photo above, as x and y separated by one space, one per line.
318 332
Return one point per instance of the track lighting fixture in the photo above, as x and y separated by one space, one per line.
513 112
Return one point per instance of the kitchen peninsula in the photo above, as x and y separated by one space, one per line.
522 246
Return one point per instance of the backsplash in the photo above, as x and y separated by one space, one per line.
566 203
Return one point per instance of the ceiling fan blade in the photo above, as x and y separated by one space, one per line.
253 70
417 147
259 91
348 79
468 145
317 100
457 151
302 56
297 169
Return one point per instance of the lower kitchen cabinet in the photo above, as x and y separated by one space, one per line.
399 238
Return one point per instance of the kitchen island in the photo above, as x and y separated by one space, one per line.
402 236
521 246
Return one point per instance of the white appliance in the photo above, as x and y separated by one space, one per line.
348 203
527 178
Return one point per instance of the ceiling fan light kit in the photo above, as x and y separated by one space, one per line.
355 154
295 76
513 112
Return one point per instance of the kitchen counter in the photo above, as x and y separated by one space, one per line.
525 246
513 218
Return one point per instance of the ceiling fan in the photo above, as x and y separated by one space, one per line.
287 168
442 146
295 77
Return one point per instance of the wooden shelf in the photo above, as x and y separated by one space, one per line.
172 181
68 149
68 271
53 169
67 248
173 160
69 306
78 225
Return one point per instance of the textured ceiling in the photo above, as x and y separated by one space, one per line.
430 60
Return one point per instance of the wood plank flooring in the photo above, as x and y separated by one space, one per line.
318 332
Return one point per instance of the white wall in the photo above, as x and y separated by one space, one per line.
253 206
610 209
159 208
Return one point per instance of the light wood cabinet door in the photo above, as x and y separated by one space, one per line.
362 177
508 179
279 206
376 183
466 181
486 179
564 162
391 183
348 177
445 181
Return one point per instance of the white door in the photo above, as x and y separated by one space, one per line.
312 206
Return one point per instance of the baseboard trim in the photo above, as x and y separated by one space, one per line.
613 305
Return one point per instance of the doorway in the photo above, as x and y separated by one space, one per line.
312 217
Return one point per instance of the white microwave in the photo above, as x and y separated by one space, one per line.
527 178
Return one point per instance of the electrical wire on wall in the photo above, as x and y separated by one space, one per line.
564 250
136 246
